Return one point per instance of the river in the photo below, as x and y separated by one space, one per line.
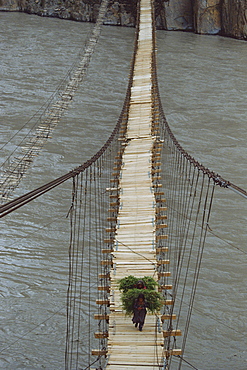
203 89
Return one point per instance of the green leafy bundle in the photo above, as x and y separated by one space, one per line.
130 282
130 293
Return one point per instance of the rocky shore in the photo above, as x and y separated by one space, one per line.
225 17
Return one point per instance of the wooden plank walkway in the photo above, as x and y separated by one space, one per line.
134 252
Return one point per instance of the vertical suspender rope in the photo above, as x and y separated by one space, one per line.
207 206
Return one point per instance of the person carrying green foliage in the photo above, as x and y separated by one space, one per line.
138 297
139 310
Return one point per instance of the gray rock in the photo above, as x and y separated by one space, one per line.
207 16
234 18
179 15
9 5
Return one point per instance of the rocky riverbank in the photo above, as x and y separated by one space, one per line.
225 17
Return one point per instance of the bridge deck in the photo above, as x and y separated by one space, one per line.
134 250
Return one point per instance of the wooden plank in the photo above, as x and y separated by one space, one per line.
104 288
162 200
106 263
161 217
104 276
163 262
97 352
114 204
110 240
161 226
160 209
101 335
103 301
168 317
105 251
171 333
161 237
161 249
164 274
165 287
173 352
101 317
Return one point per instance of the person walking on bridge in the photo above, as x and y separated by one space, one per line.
140 311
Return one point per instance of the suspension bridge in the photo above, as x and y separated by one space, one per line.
135 234
140 206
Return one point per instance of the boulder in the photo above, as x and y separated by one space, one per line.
234 18
207 16
178 15
9 5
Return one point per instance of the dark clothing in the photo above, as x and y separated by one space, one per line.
140 311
